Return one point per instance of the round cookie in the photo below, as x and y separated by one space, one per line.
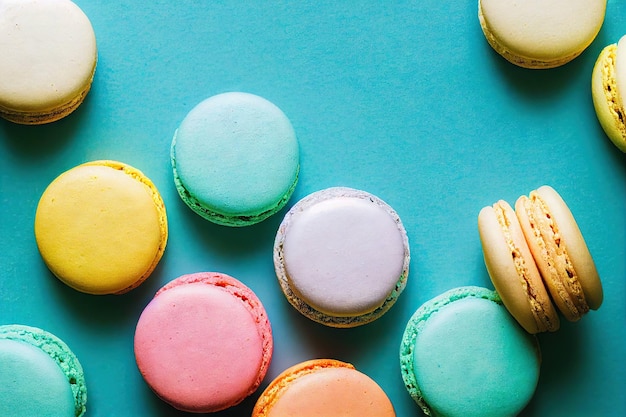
101 227
235 159
513 271
49 55
204 342
540 34
463 354
39 375
342 257
560 252
323 387
608 86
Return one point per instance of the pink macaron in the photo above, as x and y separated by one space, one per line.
204 343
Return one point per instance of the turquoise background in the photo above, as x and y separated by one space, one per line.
404 99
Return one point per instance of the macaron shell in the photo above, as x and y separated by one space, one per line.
463 354
608 82
235 158
513 271
540 33
576 247
51 380
101 227
32 383
322 387
620 73
341 257
49 50
203 343
604 94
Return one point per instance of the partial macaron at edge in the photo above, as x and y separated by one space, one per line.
282 381
606 96
59 352
520 59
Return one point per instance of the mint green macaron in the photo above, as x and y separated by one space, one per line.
235 158
39 375
463 354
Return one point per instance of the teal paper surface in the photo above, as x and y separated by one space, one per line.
403 99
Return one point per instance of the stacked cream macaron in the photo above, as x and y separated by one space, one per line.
49 56
537 258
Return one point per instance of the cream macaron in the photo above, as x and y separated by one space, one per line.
560 251
608 85
540 33
513 270
538 260
49 55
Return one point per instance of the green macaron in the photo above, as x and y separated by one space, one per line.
463 354
39 375
235 159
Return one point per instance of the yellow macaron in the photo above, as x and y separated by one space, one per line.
608 83
101 227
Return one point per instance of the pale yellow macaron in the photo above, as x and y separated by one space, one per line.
540 33
513 271
48 59
101 227
608 86
538 260
560 251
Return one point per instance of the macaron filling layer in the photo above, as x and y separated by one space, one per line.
463 354
557 269
39 374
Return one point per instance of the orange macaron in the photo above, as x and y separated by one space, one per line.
323 387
